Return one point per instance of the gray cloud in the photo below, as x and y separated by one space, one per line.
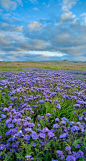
33 25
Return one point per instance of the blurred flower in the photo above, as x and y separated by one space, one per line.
26 137
2 147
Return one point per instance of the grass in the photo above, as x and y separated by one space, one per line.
56 65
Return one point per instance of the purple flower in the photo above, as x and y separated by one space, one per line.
58 106
70 158
5 109
75 128
68 149
3 116
2 146
81 118
57 119
20 133
79 154
8 120
53 94
74 154
48 114
29 130
41 101
77 146
56 126
51 134
42 135
10 125
59 152
25 123
26 137
0 136
38 125
29 157
34 135
77 105
31 124
45 130
64 135
34 144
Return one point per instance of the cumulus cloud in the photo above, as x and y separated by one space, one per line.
13 28
68 4
10 4
40 44
33 25
67 16
43 35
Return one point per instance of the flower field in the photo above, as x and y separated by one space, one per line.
43 115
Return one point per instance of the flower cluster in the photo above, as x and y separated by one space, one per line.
42 115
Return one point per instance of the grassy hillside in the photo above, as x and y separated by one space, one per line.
58 65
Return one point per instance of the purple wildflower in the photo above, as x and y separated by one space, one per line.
64 135
51 134
57 119
3 116
48 114
34 144
79 154
34 135
26 137
56 126
2 147
58 106
42 135
70 158
75 128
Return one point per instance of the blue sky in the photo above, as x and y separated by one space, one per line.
42 30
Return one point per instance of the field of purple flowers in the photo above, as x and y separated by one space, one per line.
42 115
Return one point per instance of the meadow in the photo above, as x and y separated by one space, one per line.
43 111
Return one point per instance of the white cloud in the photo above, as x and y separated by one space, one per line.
83 14
10 4
68 4
35 9
67 16
1 59
47 53
33 25
85 20
3 24
33 1
18 28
